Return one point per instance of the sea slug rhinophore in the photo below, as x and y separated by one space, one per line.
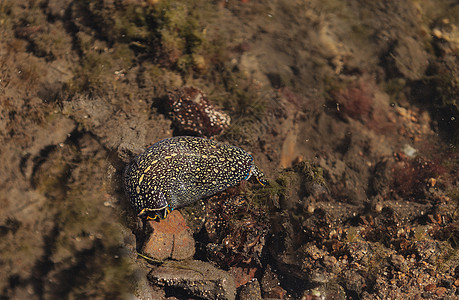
180 170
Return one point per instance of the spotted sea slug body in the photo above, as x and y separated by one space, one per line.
180 170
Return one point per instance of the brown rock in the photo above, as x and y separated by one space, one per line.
183 247
196 277
171 238
159 245
410 58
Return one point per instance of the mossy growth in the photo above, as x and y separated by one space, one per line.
420 233
49 178
238 95
159 79
311 174
181 31
236 92
51 44
295 182
123 55
194 215
170 32
378 255
271 194
100 66
448 256
172 45
92 72
30 24
86 247
353 234
30 71
126 37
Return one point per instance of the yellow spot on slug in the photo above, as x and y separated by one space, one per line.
141 179
147 169
204 156
137 189
167 157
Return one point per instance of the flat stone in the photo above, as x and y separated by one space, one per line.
171 238
198 278
159 245
184 245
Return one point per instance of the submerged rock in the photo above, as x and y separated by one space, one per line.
198 278
171 238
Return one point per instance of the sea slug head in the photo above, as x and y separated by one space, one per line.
156 207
